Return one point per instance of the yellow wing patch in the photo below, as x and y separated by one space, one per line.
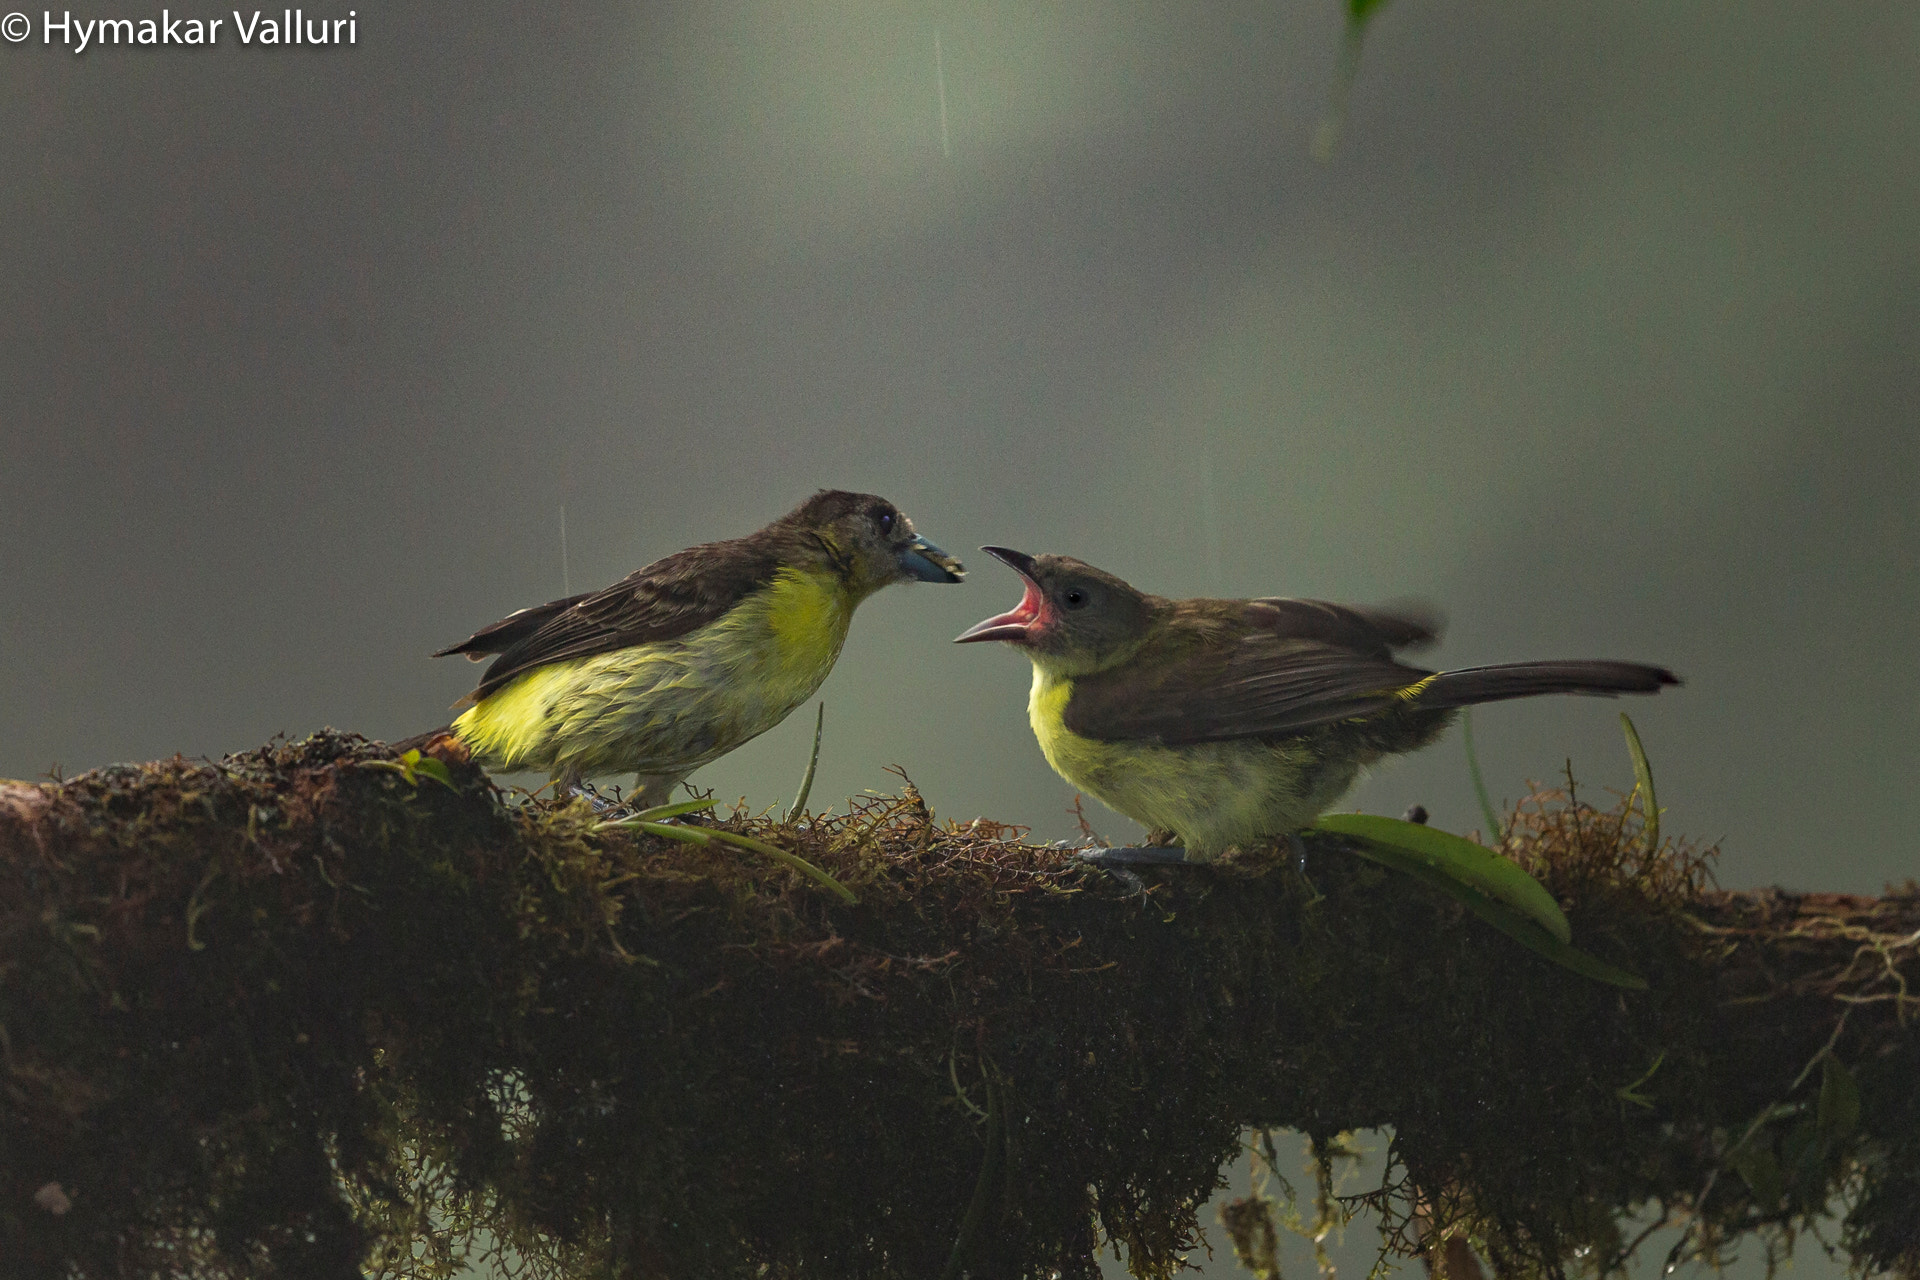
1417 688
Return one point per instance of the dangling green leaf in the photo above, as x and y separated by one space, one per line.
1631 1092
1839 1109
1754 1161
1359 14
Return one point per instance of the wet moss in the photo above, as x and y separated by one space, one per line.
303 1013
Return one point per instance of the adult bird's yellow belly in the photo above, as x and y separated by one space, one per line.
665 709
1212 795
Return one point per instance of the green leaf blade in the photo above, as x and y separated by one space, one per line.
813 762
1496 830
1460 860
428 767
663 811
1760 1170
1838 1112
1521 928
1643 782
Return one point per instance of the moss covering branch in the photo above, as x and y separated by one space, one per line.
307 1013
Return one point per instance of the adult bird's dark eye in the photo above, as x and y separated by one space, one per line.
885 520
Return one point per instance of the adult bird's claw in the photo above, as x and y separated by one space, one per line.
601 805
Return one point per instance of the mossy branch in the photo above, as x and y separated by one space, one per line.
304 1013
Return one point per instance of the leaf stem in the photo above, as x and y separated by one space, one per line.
806 781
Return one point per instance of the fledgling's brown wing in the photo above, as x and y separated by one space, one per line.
664 600
1377 629
1282 667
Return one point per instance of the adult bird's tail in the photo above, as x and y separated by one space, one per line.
1472 685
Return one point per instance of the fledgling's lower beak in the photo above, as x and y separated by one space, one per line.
1012 625
924 562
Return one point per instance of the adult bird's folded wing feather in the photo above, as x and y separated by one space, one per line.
662 601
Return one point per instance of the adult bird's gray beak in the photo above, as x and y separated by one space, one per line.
924 562
1012 625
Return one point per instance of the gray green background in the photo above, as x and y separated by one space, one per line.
1600 328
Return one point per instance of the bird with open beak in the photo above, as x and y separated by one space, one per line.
1222 723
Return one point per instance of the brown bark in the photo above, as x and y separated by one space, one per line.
253 1015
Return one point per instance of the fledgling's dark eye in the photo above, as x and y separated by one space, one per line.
1074 598
884 518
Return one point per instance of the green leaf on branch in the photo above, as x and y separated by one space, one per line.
650 821
813 762
413 766
1491 887
1643 783
1460 860
660 813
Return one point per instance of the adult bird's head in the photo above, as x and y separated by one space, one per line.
870 542
1073 619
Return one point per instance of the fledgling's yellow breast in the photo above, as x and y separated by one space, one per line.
1211 794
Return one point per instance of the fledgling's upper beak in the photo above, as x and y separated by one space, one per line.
1011 625
924 562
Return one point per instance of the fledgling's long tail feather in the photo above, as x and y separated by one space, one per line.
1472 685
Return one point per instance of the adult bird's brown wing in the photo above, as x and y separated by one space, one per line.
510 630
666 599
1284 666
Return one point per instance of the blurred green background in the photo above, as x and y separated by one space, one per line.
1600 328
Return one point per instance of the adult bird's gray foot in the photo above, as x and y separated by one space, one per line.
1156 855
